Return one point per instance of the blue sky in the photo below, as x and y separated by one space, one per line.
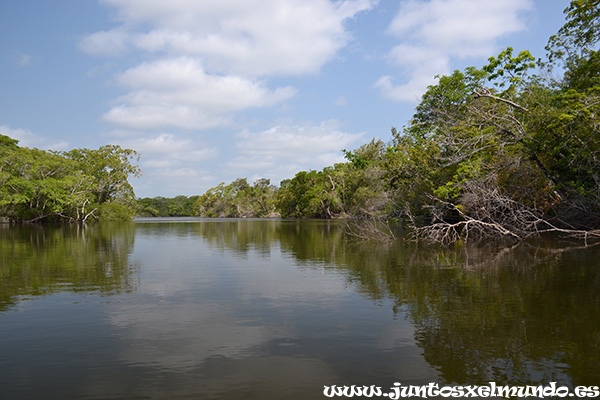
209 91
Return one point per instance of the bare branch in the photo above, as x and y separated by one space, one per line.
485 213
483 92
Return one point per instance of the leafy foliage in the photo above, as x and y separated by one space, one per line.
76 185
514 158
179 206
238 199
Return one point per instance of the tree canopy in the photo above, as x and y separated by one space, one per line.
38 185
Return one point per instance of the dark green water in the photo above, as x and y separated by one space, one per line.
242 309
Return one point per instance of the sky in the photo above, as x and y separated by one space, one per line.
208 91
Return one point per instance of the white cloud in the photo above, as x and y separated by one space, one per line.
28 139
165 151
296 141
170 165
168 145
149 117
21 59
106 43
280 152
168 181
179 93
433 33
250 38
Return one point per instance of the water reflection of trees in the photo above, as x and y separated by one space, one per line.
42 259
518 316
240 235
521 315
528 314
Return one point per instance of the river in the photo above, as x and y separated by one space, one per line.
192 308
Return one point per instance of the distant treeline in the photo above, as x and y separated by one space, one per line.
238 199
180 206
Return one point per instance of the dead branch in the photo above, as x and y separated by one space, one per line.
484 213
372 226
483 92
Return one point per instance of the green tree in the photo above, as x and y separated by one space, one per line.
500 152
179 206
238 199
37 185
307 196
41 185
110 167
577 37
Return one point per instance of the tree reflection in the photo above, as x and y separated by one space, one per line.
36 260
240 235
523 315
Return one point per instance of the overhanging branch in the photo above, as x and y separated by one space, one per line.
486 93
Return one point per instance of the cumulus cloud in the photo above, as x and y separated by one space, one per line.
27 138
296 140
281 151
198 65
250 38
179 93
176 149
168 154
169 181
106 43
171 165
174 165
433 33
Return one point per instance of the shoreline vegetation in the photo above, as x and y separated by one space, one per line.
507 151
75 186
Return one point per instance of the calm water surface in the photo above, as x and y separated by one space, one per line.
269 309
